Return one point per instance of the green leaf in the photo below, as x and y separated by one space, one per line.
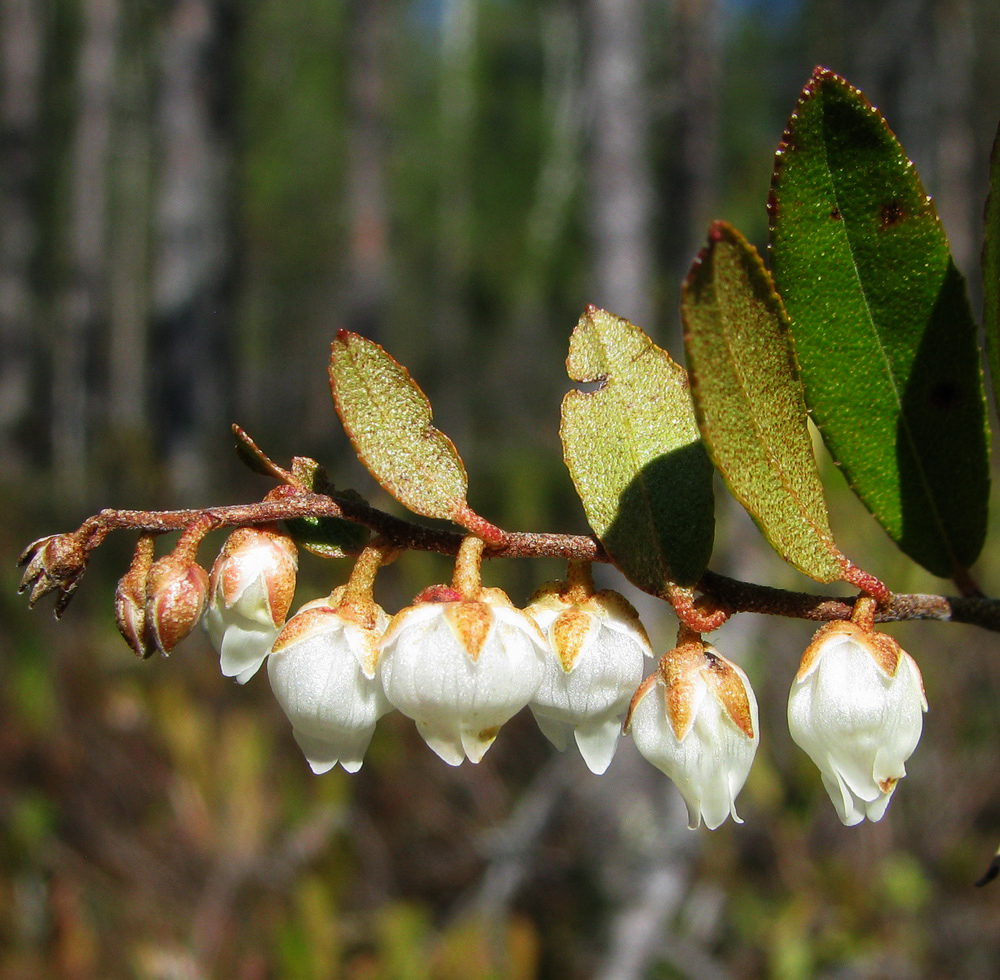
749 402
633 449
328 537
252 456
388 419
991 270
884 336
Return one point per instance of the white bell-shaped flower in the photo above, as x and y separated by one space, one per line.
696 720
461 667
322 670
250 591
597 651
856 707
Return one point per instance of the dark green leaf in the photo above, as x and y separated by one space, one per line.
884 336
388 419
749 401
633 449
991 270
328 537
254 457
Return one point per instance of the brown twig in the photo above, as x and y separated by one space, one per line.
719 591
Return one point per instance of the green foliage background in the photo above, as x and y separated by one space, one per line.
158 821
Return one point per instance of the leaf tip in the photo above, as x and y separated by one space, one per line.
717 231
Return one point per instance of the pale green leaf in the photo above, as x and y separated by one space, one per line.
388 419
749 401
633 449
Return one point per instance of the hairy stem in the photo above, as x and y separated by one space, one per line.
717 591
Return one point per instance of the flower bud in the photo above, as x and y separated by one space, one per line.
322 670
176 588
130 600
856 708
696 719
250 591
460 668
57 561
597 651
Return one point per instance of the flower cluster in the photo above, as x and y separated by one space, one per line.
461 660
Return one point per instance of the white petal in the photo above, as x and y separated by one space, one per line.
598 742
844 801
242 651
556 731
447 745
323 754
476 743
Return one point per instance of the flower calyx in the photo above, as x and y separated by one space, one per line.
54 563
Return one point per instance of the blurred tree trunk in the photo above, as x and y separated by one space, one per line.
449 318
368 261
362 290
127 410
620 188
84 298
955 143
524 357
191 302
699 36
20 70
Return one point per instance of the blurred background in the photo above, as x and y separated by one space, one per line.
194 196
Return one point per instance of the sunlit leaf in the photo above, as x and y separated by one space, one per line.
388 419
633 449
883 332
749 401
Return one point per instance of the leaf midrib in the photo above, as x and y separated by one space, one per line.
871 322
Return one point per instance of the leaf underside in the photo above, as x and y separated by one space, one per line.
749 401
635 454
388 420
883 332
328 537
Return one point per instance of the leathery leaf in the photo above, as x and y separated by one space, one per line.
635 454
881 323
749 402
388 420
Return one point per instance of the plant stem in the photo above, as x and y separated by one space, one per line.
724 593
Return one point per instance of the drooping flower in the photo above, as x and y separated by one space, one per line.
461 667
250 592
696 720
856 707
597 651
322 669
